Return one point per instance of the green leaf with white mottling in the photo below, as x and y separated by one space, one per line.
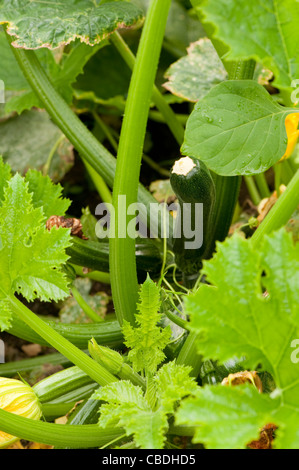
34 24
192 76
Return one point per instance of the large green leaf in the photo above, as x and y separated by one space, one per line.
233 318
237 129
263 30
35 24
192 76
226 418
148 340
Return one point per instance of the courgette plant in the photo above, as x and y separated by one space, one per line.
241 304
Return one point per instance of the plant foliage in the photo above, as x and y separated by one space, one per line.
145 416
31 257
248 310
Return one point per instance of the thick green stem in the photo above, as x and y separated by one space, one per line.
287 171
240 70
280 212
85 307
122 250
75 355
60 435
169 116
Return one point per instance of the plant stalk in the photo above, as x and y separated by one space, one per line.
123 270
252 189
262 185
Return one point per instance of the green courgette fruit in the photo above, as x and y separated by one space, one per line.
86 413
212 373
107 333
76 395
192 183
61 383
95 255
53 411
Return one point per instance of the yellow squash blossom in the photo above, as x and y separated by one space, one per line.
18 398
291 123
